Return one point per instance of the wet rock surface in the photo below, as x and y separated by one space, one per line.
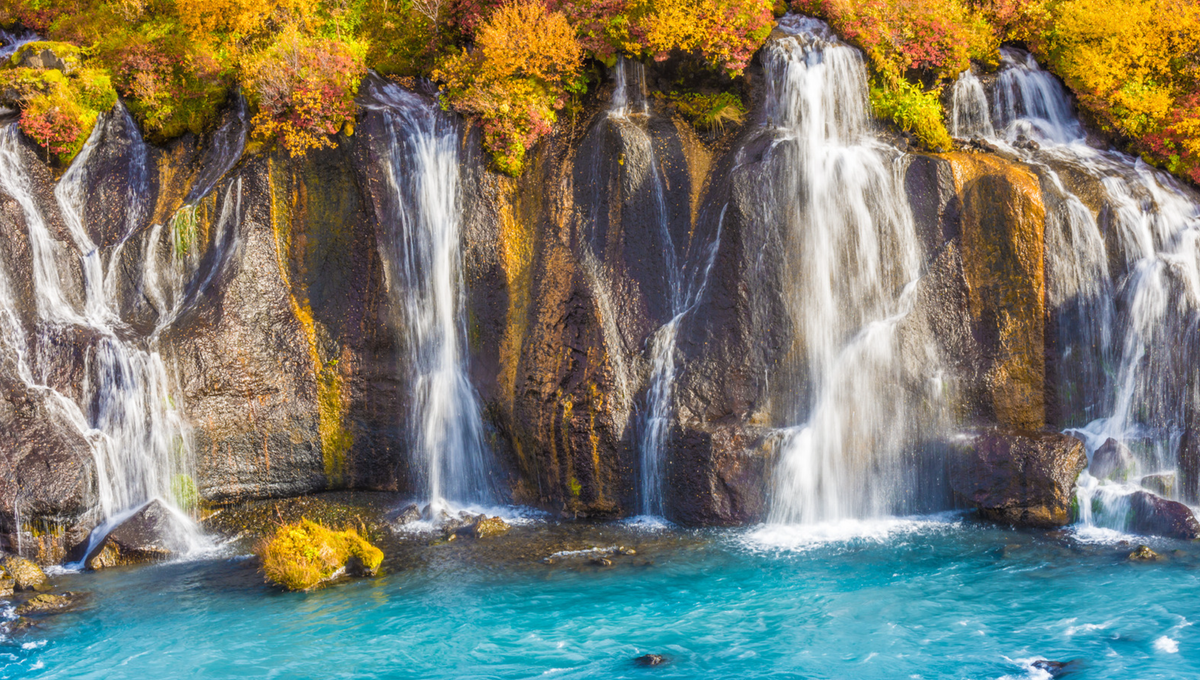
1112 460
25 574
1019 477
1157 516
1143 553
651 660
152 533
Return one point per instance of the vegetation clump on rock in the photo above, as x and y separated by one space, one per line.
514 66
306 555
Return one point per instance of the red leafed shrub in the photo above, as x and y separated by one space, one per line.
940 36
53 123
1177 144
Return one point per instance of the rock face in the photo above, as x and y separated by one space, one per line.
1020 478
151 534
287 354
1156 516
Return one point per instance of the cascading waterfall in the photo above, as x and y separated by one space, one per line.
1124 283
139 438
854 279
628 108
423 253
969 117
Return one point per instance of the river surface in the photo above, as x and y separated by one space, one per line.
936 597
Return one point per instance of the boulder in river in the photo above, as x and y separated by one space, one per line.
25 574
1018 477
1155 516
481 526
409 514
651 660
1113 460
1143 553
153 533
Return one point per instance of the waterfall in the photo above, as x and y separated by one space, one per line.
423 254
970 110
1123 280
139 437
629 110
853 281
1030 102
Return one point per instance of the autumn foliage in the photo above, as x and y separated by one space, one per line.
303 89
1135 67
516 67
516 78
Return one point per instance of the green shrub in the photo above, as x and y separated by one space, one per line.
304 88
913 110
58 111
710 112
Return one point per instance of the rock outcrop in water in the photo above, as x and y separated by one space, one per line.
641 289
1019 478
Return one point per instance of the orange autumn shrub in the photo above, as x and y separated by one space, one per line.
516 78
303 89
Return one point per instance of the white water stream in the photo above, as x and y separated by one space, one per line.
423 253
855 269
124 407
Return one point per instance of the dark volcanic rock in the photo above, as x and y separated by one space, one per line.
1019 477
46 468
151 534
1156 516
1112 460
650 660
718 478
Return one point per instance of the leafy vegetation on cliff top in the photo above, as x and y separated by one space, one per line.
515 65
1134 65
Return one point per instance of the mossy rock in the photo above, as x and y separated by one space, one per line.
306 555
25 574
57 56
1143 553
45 602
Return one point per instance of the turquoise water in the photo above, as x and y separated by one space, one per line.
944 598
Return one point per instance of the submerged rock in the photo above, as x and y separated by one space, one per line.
1113 460
1056 669
651 660
1019 477
25 574
45 602
1156 516
1143 553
